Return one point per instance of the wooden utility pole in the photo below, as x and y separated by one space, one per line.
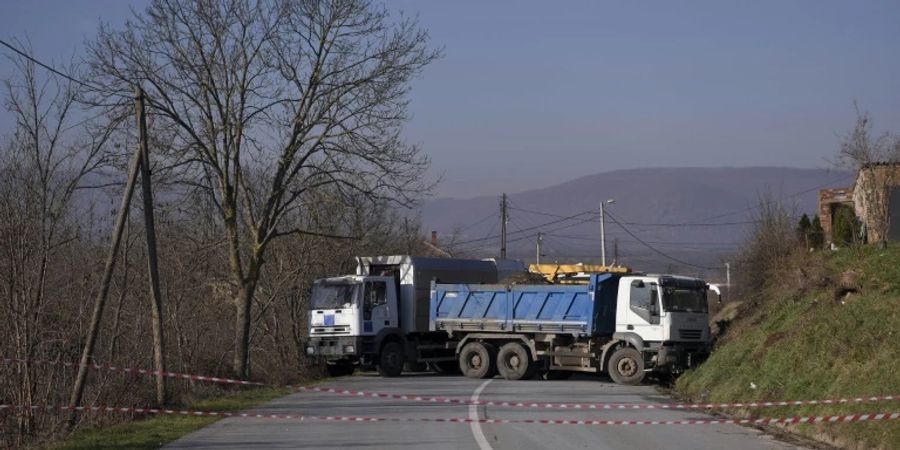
152 262
503 220
100 301
616 251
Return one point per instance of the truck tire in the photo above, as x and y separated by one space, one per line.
514 363
626 366
339 369
477 360
391 360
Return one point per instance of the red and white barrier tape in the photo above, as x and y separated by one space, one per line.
594 406
457 401
134 371
758 421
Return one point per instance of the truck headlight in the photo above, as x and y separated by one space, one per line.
310 350
349 349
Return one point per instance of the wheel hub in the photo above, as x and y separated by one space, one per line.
514 361
476 360
627 367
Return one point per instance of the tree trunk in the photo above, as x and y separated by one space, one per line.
244 304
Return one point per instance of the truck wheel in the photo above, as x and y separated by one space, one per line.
477 360
514 363
626 366
339 369
391 360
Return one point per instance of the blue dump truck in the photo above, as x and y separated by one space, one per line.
624 325
401 313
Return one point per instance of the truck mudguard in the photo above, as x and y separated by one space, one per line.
630 338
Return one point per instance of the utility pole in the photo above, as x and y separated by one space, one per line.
503 220
152 261
99 303
540 240
602 238
728 274
615 251
603 232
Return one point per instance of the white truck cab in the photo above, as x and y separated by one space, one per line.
665 317
353 306
378 315
347 309
663 308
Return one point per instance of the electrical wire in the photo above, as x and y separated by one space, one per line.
642 224
654 249
795 194
48 67
523 230
479 222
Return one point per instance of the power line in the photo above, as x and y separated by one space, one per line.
48 67
795 194
523 230
642 224
479 222
654 249
686 243
688 224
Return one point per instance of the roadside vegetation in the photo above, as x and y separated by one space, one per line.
826 327
156 431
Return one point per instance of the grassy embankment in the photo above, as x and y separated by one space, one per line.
807 338
156 431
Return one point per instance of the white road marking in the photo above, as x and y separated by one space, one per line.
475 425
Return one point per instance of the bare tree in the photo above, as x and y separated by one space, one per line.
270 101
770 240
864 152
41 169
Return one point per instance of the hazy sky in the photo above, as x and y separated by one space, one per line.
534 93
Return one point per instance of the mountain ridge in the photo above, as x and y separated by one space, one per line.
652 203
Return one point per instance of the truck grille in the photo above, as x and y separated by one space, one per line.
337 329
690 334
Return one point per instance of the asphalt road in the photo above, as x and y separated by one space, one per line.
234 433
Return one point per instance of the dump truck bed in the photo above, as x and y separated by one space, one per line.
574 309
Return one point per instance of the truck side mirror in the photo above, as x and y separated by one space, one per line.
718 292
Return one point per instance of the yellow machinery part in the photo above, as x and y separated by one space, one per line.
557 273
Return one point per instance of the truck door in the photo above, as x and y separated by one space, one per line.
378 311
643 316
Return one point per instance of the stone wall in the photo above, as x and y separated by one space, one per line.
871 197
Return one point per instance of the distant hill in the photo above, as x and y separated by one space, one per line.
647 201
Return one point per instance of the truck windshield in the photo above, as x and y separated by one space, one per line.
684 299
333 296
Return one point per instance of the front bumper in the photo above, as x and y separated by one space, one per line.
334 348
676 357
